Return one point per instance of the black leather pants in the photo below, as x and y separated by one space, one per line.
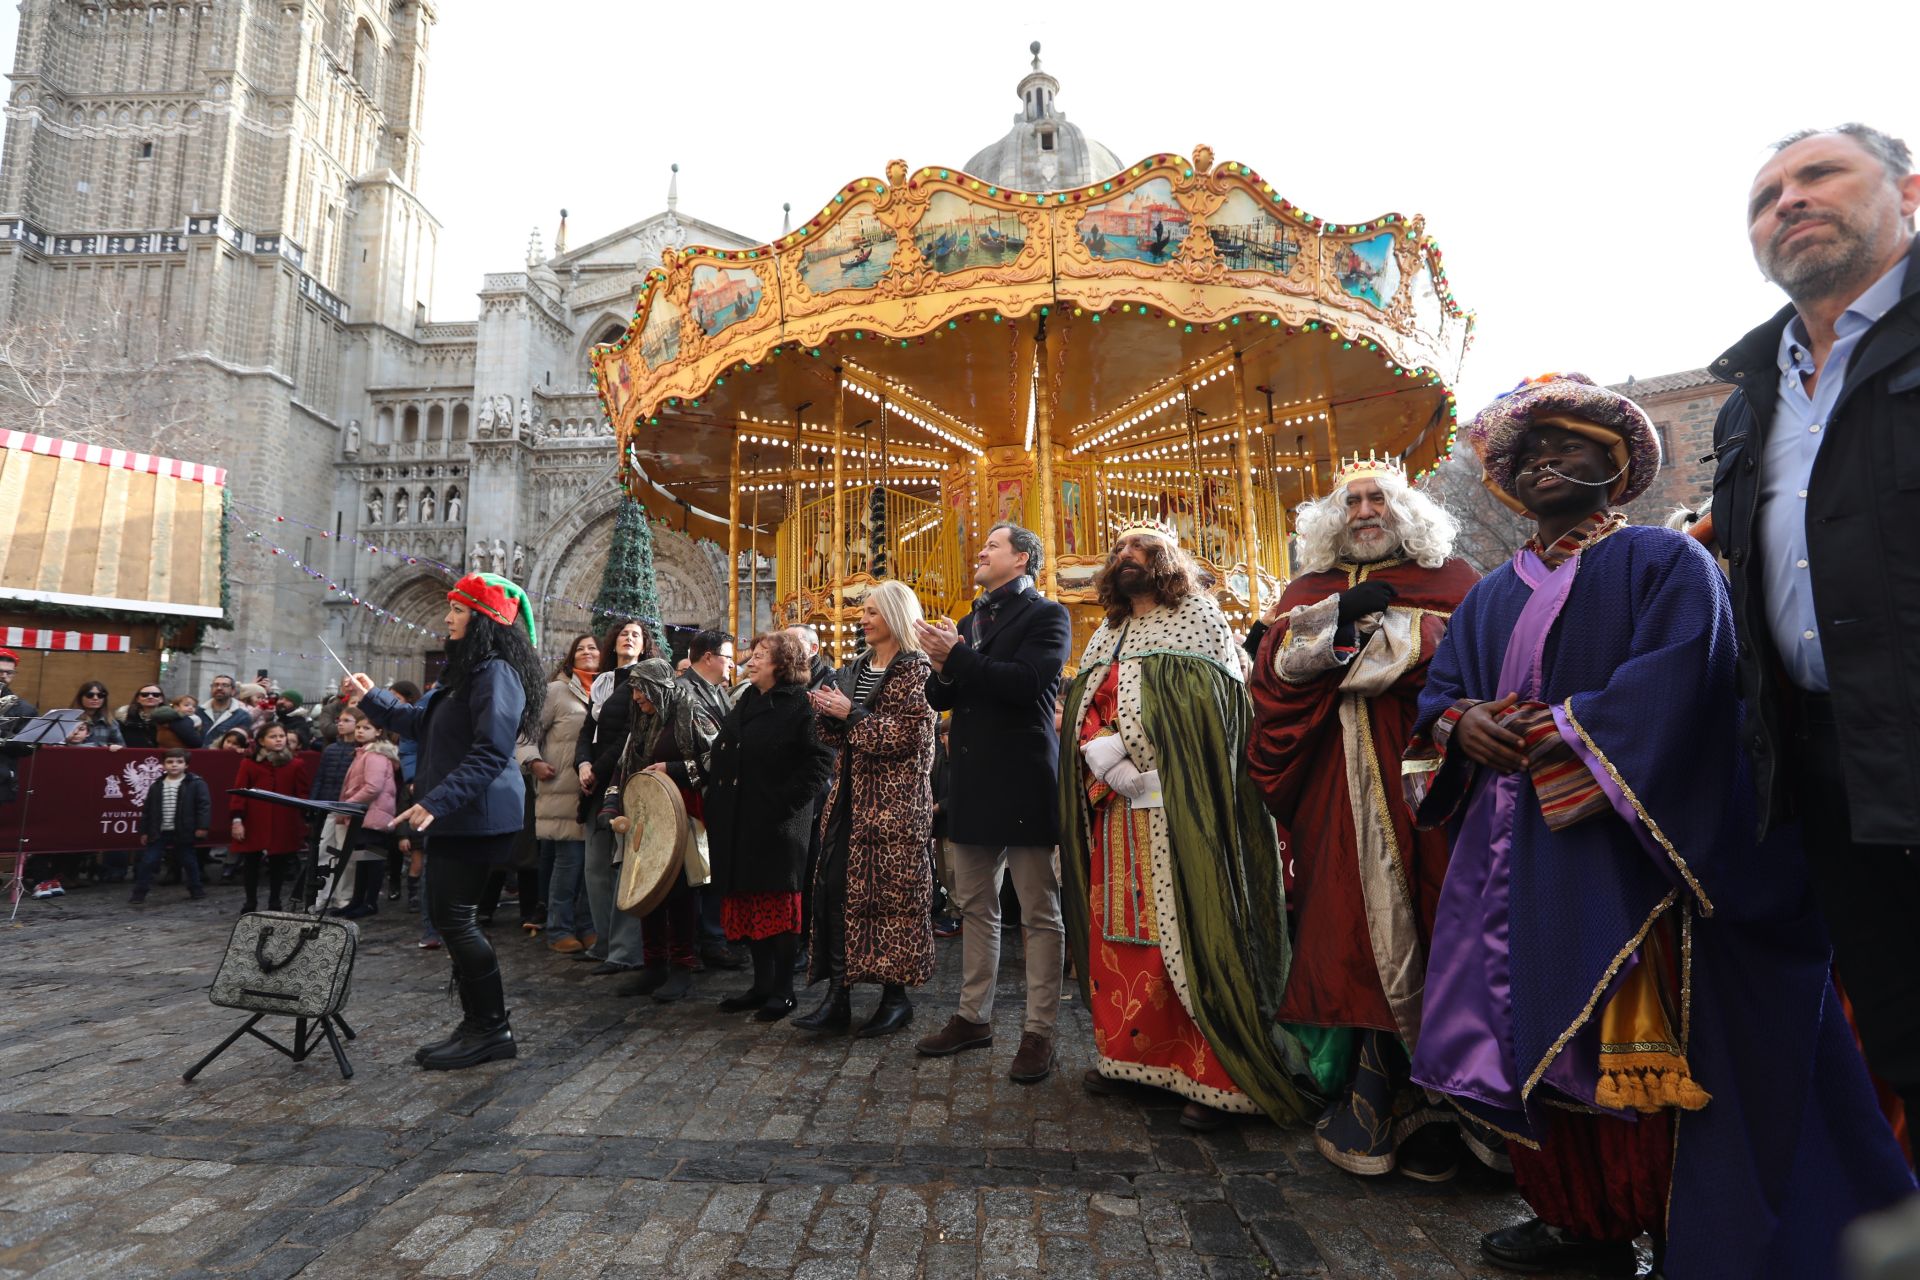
454 887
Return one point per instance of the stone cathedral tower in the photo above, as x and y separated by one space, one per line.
228 186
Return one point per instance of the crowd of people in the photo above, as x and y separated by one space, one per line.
1547 868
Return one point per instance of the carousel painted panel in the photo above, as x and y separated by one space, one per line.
956 233
853 253
1144 225
722 297
1250 237
1367 269
660 335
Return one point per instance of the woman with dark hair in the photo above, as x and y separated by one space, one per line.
762 774
95 728
149 721
596 757
472 801
556 808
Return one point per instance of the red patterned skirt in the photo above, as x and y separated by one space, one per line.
758 916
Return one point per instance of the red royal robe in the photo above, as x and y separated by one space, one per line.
1298 755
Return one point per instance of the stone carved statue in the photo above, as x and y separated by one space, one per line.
477 558
483 424
353 438
525 420
427 507
376 508
499 556
503 414
519 562
454 507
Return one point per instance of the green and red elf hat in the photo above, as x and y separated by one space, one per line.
498 598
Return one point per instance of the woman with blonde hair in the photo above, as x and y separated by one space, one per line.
873 889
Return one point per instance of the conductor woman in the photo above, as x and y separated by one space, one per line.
472 802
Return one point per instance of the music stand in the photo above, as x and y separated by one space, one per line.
303 1042
47 729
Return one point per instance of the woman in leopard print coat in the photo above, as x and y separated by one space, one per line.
873 888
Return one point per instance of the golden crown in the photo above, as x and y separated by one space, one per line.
1146 525
1371 467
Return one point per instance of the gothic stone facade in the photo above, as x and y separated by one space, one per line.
239 178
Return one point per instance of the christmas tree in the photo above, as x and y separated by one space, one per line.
628 588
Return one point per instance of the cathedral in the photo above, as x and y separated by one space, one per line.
237 181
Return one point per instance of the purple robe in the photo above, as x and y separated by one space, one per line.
1631 643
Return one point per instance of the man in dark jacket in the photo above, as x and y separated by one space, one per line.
178 810
707 679
15 711
997 673
1815 492
222 711
289 716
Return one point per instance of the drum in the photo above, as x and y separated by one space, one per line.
656 848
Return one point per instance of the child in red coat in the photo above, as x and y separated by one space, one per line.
270 832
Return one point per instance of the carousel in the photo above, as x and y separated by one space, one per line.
931 354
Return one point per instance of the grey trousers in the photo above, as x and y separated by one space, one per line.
977 871
619 932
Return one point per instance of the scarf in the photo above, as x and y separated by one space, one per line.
585 681
275 759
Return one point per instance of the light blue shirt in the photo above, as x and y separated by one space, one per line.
1799 426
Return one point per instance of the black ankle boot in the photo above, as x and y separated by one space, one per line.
779 1002
756 995
484 1036
835 1012
895 1012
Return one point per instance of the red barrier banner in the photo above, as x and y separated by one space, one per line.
88 799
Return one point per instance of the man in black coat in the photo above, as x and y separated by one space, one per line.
1816 493
15 711
998 674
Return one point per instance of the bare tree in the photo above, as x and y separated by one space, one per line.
1489 532
112 383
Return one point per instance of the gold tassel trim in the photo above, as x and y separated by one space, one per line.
1648 1083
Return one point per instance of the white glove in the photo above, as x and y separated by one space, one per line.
1142 790
1103 753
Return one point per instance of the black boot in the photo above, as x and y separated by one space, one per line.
756 995
463 1027
780 1001
834 1014
895 1012
487 1038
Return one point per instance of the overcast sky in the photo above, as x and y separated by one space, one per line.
1583 167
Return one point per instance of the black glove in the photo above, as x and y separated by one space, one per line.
1364 598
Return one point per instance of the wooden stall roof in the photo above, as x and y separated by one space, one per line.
82 525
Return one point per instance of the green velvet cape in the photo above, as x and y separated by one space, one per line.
1228 893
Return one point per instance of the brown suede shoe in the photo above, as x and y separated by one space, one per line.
958 1035
1034 1062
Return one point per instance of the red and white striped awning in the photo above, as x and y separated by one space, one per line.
76 641
126 459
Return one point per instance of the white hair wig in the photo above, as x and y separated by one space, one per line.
1426 529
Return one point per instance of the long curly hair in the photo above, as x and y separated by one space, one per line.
608 662
1425 528
1169 569
486 639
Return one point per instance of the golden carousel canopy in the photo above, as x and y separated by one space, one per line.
931 352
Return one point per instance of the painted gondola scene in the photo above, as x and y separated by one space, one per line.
660 339
723 296
1249 238
1145 225
957 233
1367 269
853 253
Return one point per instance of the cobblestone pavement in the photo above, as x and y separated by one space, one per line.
631 1139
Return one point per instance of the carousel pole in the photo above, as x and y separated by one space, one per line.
753 569
733 543
837 565
1249 522
1043 446
1333 447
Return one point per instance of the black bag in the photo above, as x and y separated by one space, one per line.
285 963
